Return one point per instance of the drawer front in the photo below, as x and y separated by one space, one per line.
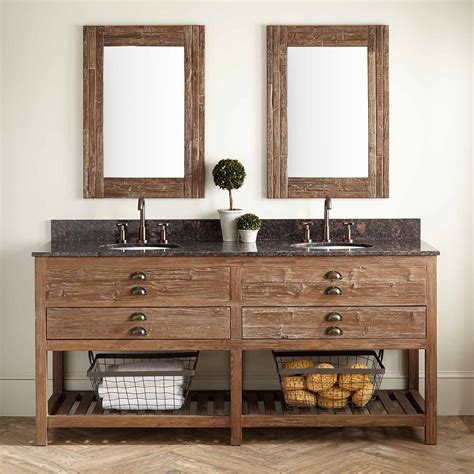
336 323
333 281
133 282
138 323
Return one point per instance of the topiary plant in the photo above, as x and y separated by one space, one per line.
249 222
229 174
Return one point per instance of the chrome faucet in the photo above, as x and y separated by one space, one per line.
327 207
142 228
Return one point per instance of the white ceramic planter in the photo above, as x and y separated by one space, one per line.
248 236
229 224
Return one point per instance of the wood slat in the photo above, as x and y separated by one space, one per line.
193 403
67 403
252 402
86 400
404 402
390 406
376 407
54 401
219 403
98 410
417 400
269 400
202 403
210 404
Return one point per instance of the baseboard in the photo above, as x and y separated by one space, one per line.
455 389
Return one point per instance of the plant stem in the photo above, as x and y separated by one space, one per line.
231 201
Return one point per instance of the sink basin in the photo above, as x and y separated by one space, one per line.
331 246
140 248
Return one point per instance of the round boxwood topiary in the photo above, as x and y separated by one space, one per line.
249 222
229 174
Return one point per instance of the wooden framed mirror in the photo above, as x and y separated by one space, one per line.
327 111
143 111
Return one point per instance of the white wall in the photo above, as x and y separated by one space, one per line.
430 146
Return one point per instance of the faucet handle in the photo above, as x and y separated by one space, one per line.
122 229
163 232
348 234
307 232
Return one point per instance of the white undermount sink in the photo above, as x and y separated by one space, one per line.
330 246
140 248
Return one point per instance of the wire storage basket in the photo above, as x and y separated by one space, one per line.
329 379
142 381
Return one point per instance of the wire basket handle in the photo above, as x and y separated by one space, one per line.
381 353
91 357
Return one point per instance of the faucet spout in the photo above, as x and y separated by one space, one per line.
142 228
327 208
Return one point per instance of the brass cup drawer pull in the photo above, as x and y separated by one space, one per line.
138 331
138 276
333 275
137 317
138 291
333 290
333 316
333 331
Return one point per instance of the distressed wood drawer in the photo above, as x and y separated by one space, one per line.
111 282
355 322
370 281
117 323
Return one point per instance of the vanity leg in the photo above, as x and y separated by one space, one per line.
41 355
431 369
41 395
236 397
58 371
413 369
430 396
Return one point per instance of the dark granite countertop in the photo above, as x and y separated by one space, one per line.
202 238
266 248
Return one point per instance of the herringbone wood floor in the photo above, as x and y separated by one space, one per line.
264 450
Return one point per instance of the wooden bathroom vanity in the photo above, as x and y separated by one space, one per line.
236 303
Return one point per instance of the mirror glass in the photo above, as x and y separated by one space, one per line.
327 112
143 112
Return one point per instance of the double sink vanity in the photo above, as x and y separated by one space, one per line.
207 295
316 285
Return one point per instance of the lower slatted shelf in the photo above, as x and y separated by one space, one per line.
81 409
388 408
259 409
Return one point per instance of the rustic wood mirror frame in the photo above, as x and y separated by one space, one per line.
95 39
279 38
